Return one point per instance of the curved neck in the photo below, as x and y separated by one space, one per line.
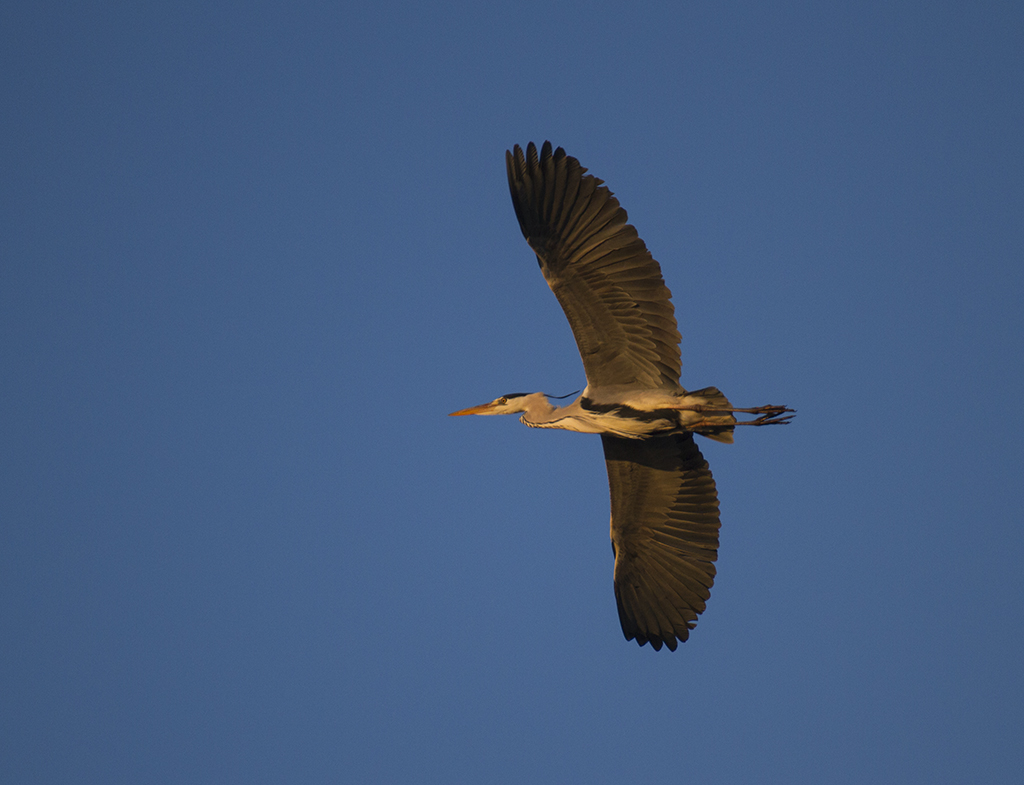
537 410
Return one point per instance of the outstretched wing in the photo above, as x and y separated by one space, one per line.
608 284
664 535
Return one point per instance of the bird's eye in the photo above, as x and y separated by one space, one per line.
503 400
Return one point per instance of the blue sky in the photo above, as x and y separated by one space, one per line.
252 254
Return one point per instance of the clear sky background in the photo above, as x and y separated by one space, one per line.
253 254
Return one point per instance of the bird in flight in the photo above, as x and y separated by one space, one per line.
664 505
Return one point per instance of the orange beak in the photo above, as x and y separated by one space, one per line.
481 409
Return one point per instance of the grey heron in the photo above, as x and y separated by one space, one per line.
664 504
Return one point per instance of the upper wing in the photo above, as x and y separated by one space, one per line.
608 284
664 535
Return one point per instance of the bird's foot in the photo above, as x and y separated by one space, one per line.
773 415
769 415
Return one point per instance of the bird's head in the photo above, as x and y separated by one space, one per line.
506 404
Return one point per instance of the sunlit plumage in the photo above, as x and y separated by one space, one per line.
664 505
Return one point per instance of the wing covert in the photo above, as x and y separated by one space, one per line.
664 529
605 279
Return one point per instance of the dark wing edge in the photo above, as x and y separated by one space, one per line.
605 279
664 529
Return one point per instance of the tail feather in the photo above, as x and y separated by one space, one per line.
713 397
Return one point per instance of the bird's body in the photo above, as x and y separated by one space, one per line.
631 414
664 522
